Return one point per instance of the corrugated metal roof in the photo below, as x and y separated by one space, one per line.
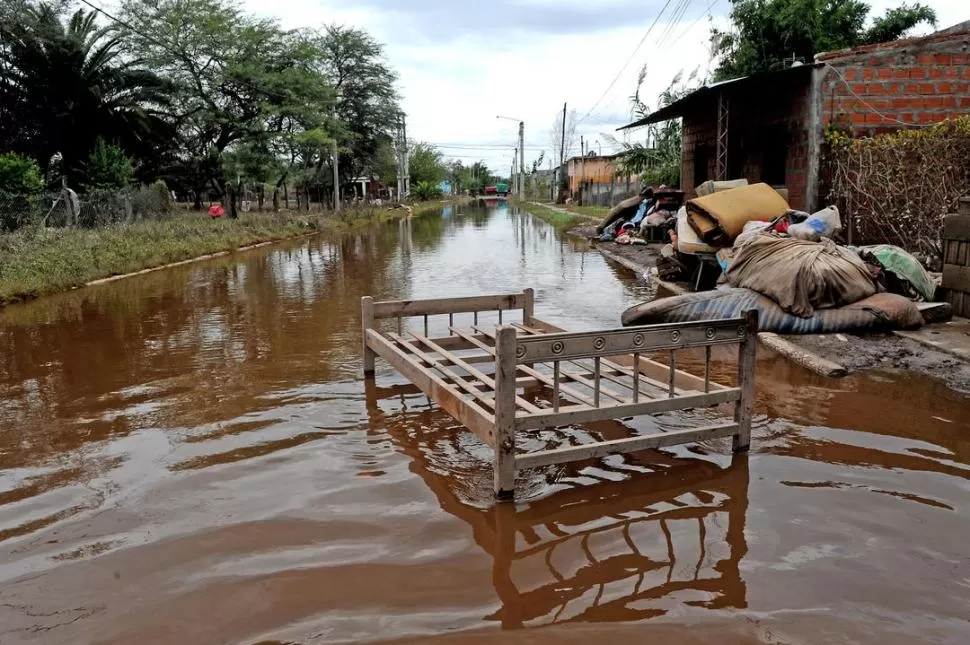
677 108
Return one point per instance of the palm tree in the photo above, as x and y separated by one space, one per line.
65 84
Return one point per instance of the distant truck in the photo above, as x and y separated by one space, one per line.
497 189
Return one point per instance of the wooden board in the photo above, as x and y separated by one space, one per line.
408 308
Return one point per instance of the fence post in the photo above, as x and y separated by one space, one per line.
505 347
747 356
528 309
367 322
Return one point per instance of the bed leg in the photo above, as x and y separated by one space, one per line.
747 355
367 322
505 368
528 310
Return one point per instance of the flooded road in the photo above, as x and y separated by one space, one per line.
190 456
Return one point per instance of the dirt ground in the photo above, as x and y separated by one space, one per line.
859 353
637 258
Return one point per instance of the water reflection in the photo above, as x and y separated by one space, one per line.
654 532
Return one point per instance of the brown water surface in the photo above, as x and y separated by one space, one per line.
190 456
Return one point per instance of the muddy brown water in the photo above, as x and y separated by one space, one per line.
190 457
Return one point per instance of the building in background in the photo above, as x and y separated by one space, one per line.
770 127
594 179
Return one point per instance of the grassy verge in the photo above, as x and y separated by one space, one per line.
559 219
592 212
38 262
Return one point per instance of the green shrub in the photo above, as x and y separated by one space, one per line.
107 167
19 175
425 190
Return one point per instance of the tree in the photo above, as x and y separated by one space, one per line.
769 34
65 83
427 164
107 167
366 101
658 160
237 80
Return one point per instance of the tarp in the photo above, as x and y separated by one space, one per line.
906 268
881 312
625 209
800 275
720 217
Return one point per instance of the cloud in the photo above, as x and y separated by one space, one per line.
462 63
438 20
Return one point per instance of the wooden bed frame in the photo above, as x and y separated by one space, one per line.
589 376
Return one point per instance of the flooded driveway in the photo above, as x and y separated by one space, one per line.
190 456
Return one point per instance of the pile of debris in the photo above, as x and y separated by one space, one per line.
741 246
643 218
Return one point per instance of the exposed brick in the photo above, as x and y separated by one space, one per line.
959 59
944 88
850 74
917 72
936 72
949 101
858 118
907 117
876 89
926 117
860 89
901 73
966 73
926 59
927 88
867 74
875 61
912 88
934 102
872 118
951 72
965 101
884 73
942 59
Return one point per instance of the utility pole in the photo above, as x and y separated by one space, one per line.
407 156
582 180
399 154
515 158
521 159
336 177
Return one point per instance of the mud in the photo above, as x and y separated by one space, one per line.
190 456
885 351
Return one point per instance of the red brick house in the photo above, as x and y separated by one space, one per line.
769 127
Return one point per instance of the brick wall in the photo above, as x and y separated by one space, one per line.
892 85
768 134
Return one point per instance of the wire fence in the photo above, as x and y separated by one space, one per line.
96 208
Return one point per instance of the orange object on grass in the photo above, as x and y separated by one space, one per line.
216 210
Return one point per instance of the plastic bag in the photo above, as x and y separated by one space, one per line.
824 223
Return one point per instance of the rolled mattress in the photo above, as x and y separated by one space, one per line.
880 312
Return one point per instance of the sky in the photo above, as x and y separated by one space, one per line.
463 63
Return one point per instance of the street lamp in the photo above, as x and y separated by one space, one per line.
521 152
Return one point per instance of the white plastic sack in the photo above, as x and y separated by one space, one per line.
824 223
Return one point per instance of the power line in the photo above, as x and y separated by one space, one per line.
627 63
706 12
679 12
